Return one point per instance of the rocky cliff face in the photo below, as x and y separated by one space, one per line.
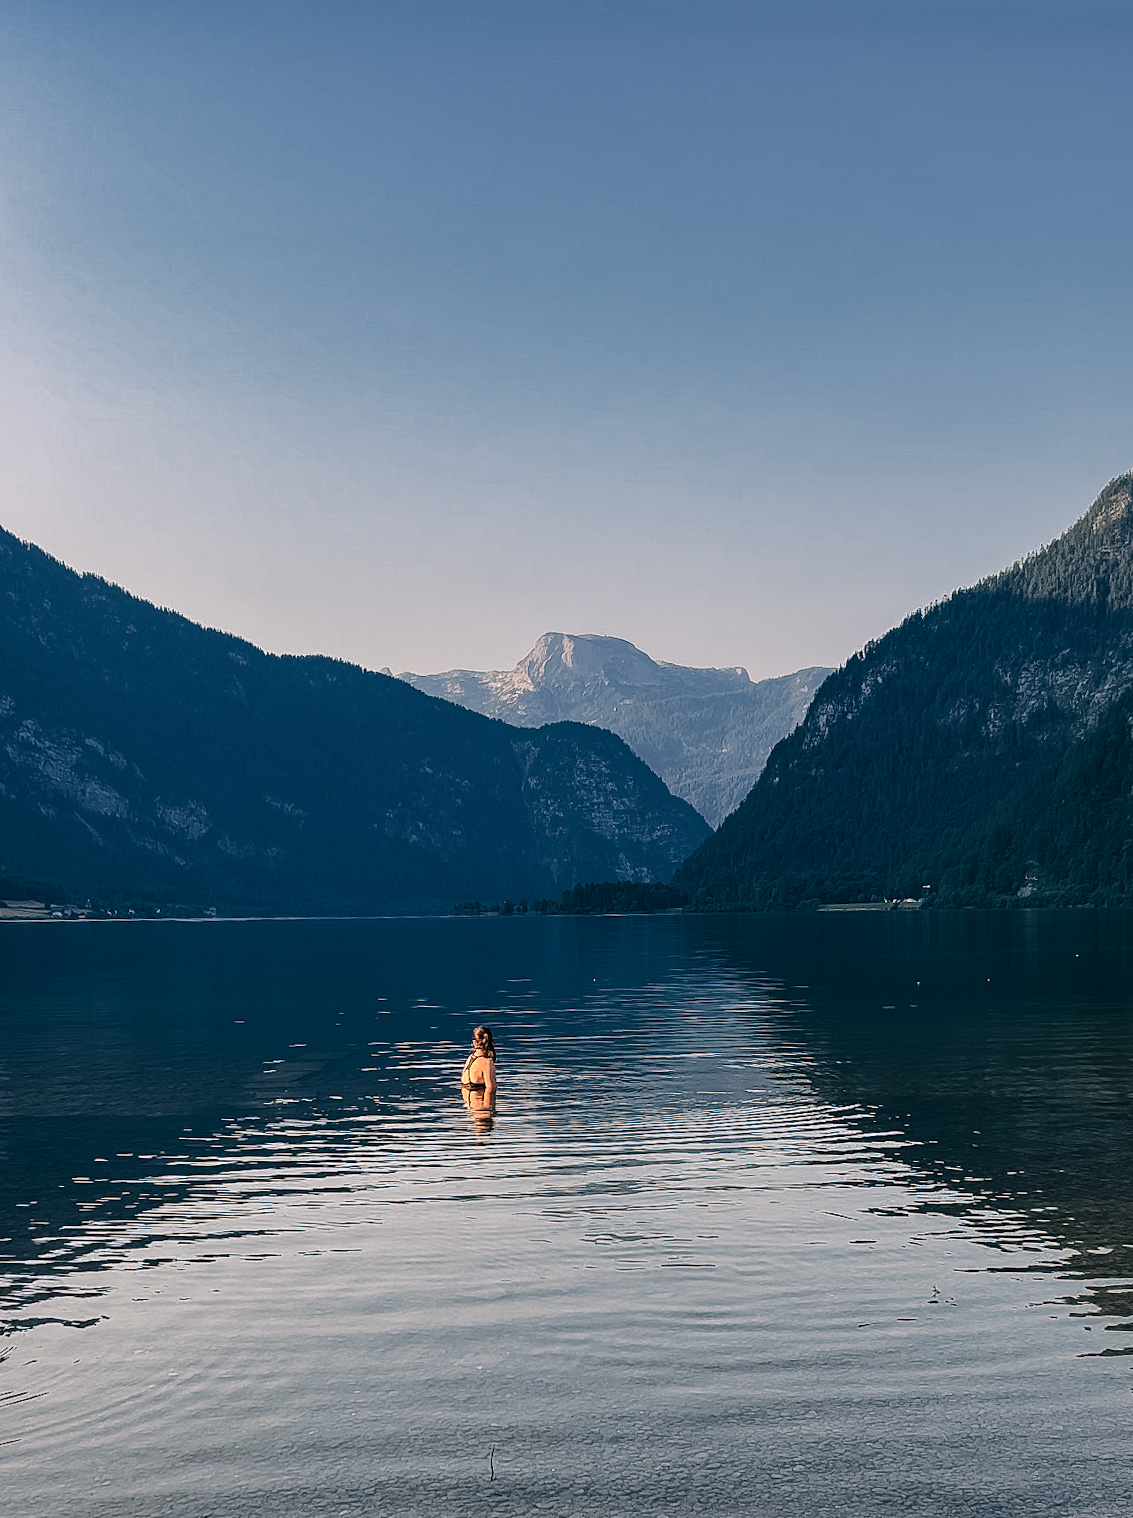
143 756
982 748
576 786
706 732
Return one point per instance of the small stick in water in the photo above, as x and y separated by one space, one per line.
492 1463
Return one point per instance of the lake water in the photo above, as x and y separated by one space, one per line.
778 1215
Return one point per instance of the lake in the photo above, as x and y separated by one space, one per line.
777 1215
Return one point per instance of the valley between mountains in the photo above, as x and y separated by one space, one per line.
981 753
706 732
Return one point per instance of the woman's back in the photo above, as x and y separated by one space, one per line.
479 1070
479 1073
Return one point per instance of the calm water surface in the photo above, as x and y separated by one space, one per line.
800 1215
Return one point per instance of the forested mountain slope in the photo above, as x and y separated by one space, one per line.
706 732
980 753
144 756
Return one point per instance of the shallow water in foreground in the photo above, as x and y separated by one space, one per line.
801 1215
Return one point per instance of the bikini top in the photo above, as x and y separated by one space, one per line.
468 1063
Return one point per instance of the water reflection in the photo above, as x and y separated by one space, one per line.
1000 1046
994 1057
138 1065
736 1166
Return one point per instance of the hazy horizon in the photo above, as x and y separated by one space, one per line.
405 334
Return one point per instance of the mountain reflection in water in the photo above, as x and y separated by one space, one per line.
774 1214
1000 1046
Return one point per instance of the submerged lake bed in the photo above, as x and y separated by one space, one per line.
785 1215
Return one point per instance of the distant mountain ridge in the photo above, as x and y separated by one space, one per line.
706 732
982 749
142 755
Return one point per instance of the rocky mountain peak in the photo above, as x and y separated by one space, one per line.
570 658
706 732
1091 563
1109 520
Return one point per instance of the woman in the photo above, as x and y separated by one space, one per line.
479 1073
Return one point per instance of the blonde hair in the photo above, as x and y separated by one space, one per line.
482 1039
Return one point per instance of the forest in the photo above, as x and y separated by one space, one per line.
977 755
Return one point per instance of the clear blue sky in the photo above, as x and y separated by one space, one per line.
409 331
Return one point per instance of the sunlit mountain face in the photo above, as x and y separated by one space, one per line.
706 732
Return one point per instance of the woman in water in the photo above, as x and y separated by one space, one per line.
479 1073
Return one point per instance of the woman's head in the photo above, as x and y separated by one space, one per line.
483 1042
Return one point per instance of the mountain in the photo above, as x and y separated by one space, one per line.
706 732
143 756
981 752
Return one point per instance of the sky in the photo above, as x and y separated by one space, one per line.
406 332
